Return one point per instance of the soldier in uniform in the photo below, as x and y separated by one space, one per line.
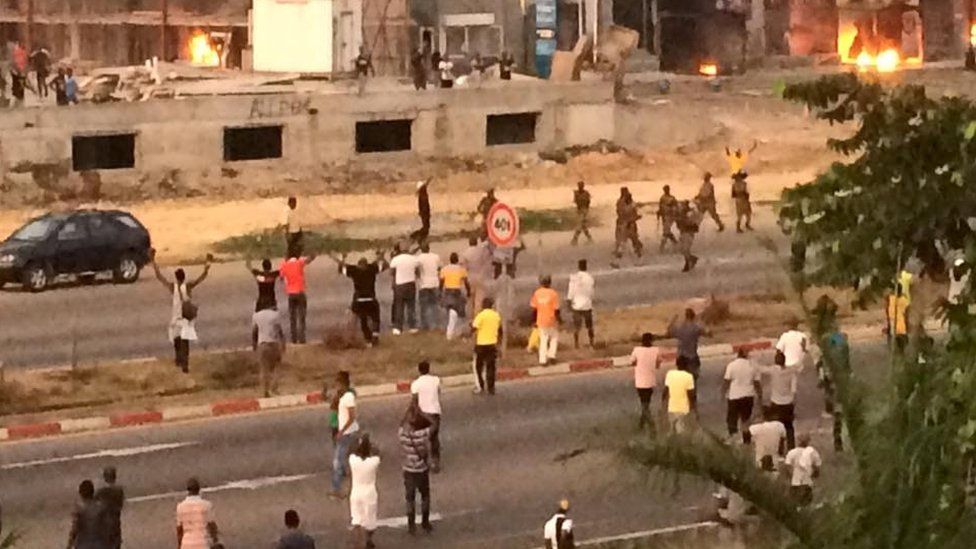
706 200
581 197
740 195
484 207
689 219
667 212
626 229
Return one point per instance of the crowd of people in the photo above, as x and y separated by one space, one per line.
21 65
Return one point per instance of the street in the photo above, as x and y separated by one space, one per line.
118 322
503 467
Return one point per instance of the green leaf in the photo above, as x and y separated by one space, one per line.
970 131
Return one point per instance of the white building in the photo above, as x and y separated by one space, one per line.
305 36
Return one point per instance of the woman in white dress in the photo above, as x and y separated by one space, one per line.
363 498
182 330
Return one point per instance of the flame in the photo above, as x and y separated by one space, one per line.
886 61
972 35
202 52
708 69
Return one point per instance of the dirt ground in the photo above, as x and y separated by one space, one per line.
676 138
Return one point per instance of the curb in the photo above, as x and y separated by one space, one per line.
251 405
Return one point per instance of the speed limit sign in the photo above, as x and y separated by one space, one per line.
502 225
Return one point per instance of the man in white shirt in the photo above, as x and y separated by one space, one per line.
740 388
804 463
429 264
292 223
195 524
580 297
793 343
782 394
768 436
405 267
558 530
426 389
346 434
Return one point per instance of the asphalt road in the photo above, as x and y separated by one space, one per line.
117 322
502 473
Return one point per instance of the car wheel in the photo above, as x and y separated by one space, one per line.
127 270
36 277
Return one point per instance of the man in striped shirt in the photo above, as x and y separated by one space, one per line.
195 524
414 438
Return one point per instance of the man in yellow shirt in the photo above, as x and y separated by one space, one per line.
454 280
679 396
738 158
487 328
545 301
896 317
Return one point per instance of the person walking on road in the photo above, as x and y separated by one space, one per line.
364 303
768 436
182 327
782 394
414 437
112 498
405 267
292 270
545 302
667 214
581 198
707 204
88 524
426 390
363 498
266 279
487 326
268 342
804 463
793 344
688 333
294 537
346 432
292 224
626 228
429 265
558 530
743 206
689 220
741 387
646 361
580 298
196 527
456 290
679 400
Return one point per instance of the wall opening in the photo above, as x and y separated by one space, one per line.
511 129
252 143
103 152
384 136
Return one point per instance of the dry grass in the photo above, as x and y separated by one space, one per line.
107 388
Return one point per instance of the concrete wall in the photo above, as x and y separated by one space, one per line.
187 135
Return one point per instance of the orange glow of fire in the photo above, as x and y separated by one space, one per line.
202 51
972 34
886 61
708 69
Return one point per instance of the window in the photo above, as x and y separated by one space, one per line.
128 221
511 129
383 136
465 33
36 230
71 230
101 227
252 143
103 152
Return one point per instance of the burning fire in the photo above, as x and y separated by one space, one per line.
886 61
972 35
708 69
202 51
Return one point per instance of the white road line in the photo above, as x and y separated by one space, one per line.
249 484
120 452
401 522
649 533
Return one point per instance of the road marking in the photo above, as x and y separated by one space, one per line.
121 452
648 533
249 484
401 522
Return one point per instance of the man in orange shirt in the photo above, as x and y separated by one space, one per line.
293 271
545 301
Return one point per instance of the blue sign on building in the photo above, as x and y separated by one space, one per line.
546 23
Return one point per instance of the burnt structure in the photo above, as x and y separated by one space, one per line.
694 32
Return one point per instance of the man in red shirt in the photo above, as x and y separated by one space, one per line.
293 271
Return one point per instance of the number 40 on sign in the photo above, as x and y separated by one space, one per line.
502 225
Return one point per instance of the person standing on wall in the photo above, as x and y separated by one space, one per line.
580 298
41 62
182 328
446 69
582 198
487 326
505 64
292 270
418 70
364 68
405 267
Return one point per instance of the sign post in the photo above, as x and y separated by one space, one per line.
502 226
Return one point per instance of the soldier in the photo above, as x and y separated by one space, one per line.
667 212
740 195
484 207
581 197
706 200
689 219
627 217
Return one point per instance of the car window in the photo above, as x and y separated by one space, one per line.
72 230
36 230
101 227
128 221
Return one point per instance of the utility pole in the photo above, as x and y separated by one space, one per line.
29 34
162 29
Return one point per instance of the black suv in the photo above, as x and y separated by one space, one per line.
82 243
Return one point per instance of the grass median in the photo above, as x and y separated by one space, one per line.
104 388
